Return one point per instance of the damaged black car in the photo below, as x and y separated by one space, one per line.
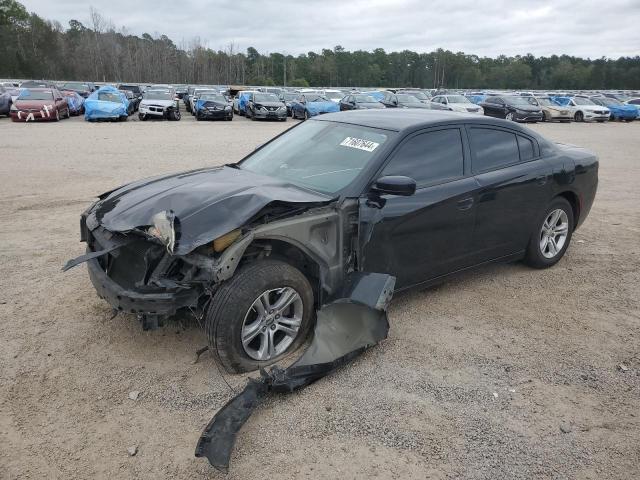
254 249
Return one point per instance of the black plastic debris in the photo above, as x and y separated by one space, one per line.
344 329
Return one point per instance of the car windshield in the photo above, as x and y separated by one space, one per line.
131 88
518 101
323 156
109 97
212 97
76 86
198 93
289 96
35 95
157 95
365 99
315 98
547 102
336 95
457 99
404 98
419 95
266 97
582 101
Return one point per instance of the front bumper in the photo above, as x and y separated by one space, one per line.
214 114
153 110
592 116
32 116
274 115
162 303
527 117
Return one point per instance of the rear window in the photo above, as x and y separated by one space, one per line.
527 150
492 149
429 158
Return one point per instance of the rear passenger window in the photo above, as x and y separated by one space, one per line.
429 158
526 148
492 149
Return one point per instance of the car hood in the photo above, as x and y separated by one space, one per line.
163 103
526 108
416 105
31 104
322 107
206 203
210 103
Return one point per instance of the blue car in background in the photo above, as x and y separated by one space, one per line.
75 102
309 105
106 103
619 110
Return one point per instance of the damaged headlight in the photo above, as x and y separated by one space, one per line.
163 229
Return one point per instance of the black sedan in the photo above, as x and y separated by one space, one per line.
252 248
402 100
511 107
213 106
359 101
265 106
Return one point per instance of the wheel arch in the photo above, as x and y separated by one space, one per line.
573 199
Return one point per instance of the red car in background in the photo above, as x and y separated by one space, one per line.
35 104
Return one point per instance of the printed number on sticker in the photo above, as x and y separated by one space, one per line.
360 144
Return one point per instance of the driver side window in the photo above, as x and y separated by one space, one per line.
429 158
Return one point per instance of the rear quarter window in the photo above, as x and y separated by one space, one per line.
527 149
492 149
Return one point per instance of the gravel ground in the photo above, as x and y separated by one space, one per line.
504 373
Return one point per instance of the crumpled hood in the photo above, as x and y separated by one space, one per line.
322 107
206 203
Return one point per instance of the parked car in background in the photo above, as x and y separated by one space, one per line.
108 104
419 94
242 99
287 98
159 104
75 101
181 90
213 106
309 105
5 101
455 103
136 94
193 98
333 95
402 100
265 241
619 111
551 111
38 84
185 98
511 107
359 101
584 110
82 89
265 106
39 104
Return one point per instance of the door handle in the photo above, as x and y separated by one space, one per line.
465 203
541 179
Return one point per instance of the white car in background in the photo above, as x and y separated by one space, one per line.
333 95
584 110
455 103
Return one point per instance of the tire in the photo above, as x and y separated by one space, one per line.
57 119
579 117
509 117
306 115
539 252
545 117
232 305
141 117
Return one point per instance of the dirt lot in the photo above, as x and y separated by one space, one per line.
504 373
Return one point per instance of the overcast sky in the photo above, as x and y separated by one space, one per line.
587 28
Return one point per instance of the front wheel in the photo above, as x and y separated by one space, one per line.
261 314
509 116
306 115
551 236
579 117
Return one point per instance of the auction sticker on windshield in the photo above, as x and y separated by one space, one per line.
360 144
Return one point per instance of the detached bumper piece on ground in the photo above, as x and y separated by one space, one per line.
344 329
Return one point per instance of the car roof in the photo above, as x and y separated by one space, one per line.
409 119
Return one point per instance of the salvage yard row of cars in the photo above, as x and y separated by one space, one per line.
43 100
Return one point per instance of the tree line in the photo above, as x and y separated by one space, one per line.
33 47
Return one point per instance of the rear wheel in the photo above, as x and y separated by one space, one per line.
258 316
551 236
579 117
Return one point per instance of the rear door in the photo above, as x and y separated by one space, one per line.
428 234
515 186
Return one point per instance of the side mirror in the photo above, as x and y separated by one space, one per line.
395 185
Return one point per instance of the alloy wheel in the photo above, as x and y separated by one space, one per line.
509 116
554 233
272 323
